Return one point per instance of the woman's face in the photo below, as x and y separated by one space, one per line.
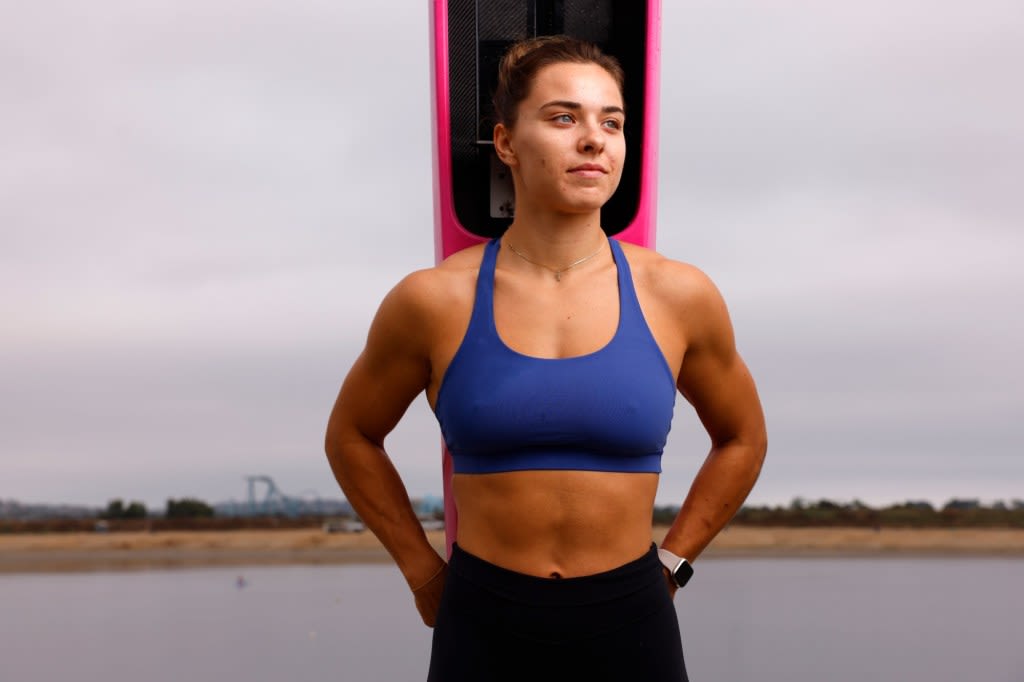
566 148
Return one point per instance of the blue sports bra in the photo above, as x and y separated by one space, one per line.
610 410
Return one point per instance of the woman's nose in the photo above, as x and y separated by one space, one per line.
590 141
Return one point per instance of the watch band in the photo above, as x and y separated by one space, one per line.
677 566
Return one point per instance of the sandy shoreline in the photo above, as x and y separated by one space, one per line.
65 552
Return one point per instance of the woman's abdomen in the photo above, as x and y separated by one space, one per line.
555 523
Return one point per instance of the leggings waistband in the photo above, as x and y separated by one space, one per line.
616 583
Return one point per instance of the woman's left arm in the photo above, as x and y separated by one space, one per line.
715 380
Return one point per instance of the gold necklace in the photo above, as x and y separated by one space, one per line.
558 271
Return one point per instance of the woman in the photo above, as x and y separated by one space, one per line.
551 357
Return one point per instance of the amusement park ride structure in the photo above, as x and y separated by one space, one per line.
264 498
276 503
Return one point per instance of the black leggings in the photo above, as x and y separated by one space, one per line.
495 624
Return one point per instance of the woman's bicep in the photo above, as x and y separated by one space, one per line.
386 377
716 381
724 396
375 395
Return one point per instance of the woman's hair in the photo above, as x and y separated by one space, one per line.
524 60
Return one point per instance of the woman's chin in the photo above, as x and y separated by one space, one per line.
584 203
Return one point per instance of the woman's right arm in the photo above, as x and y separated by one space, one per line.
387 376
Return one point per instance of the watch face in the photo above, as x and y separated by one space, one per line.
683 573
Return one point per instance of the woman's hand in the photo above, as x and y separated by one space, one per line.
670 581
428 596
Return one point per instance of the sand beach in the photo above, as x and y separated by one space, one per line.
82 551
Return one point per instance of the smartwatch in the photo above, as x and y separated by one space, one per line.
679 568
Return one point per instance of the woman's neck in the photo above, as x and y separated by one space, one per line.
555 239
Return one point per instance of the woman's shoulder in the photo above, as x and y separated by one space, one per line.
674 280
685 293
438 289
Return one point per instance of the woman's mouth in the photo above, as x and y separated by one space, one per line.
588 170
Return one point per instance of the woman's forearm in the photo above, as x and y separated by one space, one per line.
376 492
717 492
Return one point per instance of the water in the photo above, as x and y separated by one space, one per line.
870 620
765 620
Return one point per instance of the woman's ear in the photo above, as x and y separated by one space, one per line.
503 145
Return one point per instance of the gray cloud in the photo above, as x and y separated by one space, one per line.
201 205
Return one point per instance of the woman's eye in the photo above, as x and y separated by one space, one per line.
613 123
563 118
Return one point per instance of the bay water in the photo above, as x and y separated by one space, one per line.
764 620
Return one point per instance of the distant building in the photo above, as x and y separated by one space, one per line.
429 507
343 526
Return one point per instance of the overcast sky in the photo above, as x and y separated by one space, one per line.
203 202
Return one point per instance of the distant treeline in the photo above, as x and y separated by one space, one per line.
957 513
156 524
184 514
185 508
193 514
